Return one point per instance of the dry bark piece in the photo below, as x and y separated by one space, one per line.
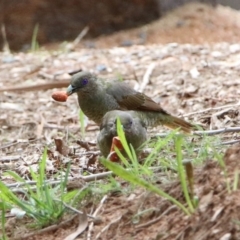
60 96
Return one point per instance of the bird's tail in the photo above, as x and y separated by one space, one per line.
175 122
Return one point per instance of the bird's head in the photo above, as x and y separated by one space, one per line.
81 81
111 117
126 121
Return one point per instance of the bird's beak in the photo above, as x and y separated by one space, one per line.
70 90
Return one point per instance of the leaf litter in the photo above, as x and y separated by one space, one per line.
186 79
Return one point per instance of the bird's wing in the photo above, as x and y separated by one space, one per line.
139 122
129 99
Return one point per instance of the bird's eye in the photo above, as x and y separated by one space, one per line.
84 81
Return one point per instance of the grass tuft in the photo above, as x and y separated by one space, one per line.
39 204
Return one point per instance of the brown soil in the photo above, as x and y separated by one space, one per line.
199 82
193 23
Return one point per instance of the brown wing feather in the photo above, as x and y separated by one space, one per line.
130 99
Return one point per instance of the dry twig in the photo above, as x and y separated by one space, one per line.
211 109
80 36
91 225
205 133
38 87
47 229
53 182
89 178
146 76
147 224
108 226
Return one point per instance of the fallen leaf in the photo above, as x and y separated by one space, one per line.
83 223
61 147
205 201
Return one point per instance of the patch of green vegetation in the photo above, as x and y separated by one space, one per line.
169 153
134 170
40 204
176 155
46 203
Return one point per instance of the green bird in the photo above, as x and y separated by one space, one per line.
134 129
96 97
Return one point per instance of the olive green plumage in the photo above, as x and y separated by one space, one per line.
134 129
96 97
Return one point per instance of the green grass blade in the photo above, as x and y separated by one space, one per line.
65 180
82 125
34 44
236 180
3 220
181 173
122 158
15 176
122 137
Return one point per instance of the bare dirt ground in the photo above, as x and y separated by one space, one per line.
196 77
